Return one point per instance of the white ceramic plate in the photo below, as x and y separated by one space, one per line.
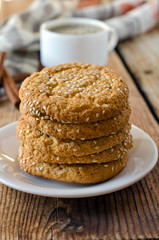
142 158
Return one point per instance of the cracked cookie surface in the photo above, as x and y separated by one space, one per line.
80 131
79 173
45 154
74 93
67 147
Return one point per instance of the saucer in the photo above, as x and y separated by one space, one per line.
142 158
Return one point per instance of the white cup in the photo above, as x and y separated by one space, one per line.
58 48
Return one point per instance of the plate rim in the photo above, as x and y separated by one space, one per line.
88 192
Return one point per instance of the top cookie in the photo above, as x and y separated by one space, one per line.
75 93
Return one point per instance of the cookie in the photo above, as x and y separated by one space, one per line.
45 153
67 147
74 93
79 173
79 131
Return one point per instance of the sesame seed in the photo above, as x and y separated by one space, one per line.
44 107
57 158
94 161
82 138
97 115
77 130
75 150
106 105
103 111
87 119
59 130
46 117
105 165
97 105
37 169
95 142
97 147
113 168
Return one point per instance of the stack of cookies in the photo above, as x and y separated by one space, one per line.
75 123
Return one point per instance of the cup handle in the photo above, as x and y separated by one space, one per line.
113 40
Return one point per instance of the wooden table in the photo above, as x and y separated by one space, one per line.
132 213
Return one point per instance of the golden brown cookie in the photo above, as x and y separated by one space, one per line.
67 147
80 131
74 93
44 153
79 173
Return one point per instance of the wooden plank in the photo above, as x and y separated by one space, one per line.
8 8
141 115
132 213
142 58
8 113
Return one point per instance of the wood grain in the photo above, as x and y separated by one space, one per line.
132 213
142 58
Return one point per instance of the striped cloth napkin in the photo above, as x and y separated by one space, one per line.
19 35
129 18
